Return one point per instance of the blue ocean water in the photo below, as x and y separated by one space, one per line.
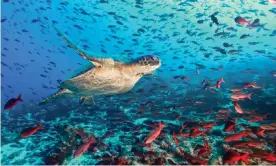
195 53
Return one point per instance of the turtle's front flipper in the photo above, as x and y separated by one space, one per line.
54 96
85 54
87 100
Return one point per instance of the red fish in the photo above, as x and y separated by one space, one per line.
231 157
195 127
12 102
252 85
121 161
181 134
154 134
203 150
175 139
241 20
260 133
30 131
257 118
234 137
270 157
255 143
238 108
235 90
229 126
206 145
238 97
219 82
256 86
196 133
83 148
208 125
192 159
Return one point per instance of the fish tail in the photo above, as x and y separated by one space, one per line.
261 133
160 126
39 126
92 141
19 98
248 22
244 133
245 157
249 96
183 125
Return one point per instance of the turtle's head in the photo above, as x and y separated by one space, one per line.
147 64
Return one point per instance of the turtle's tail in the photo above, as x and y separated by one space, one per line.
54 96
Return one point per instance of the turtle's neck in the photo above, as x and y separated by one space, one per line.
135 69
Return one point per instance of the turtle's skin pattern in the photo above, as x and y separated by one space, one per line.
107 76
103 80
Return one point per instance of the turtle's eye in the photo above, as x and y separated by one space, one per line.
148 60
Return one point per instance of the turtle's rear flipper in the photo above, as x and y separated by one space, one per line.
54 96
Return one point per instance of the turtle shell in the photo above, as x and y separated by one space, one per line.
82 70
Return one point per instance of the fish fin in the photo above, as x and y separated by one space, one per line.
249 96
19 98
160 126
96 61
245 157
54 96
39 126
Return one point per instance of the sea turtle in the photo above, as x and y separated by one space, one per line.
105 76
